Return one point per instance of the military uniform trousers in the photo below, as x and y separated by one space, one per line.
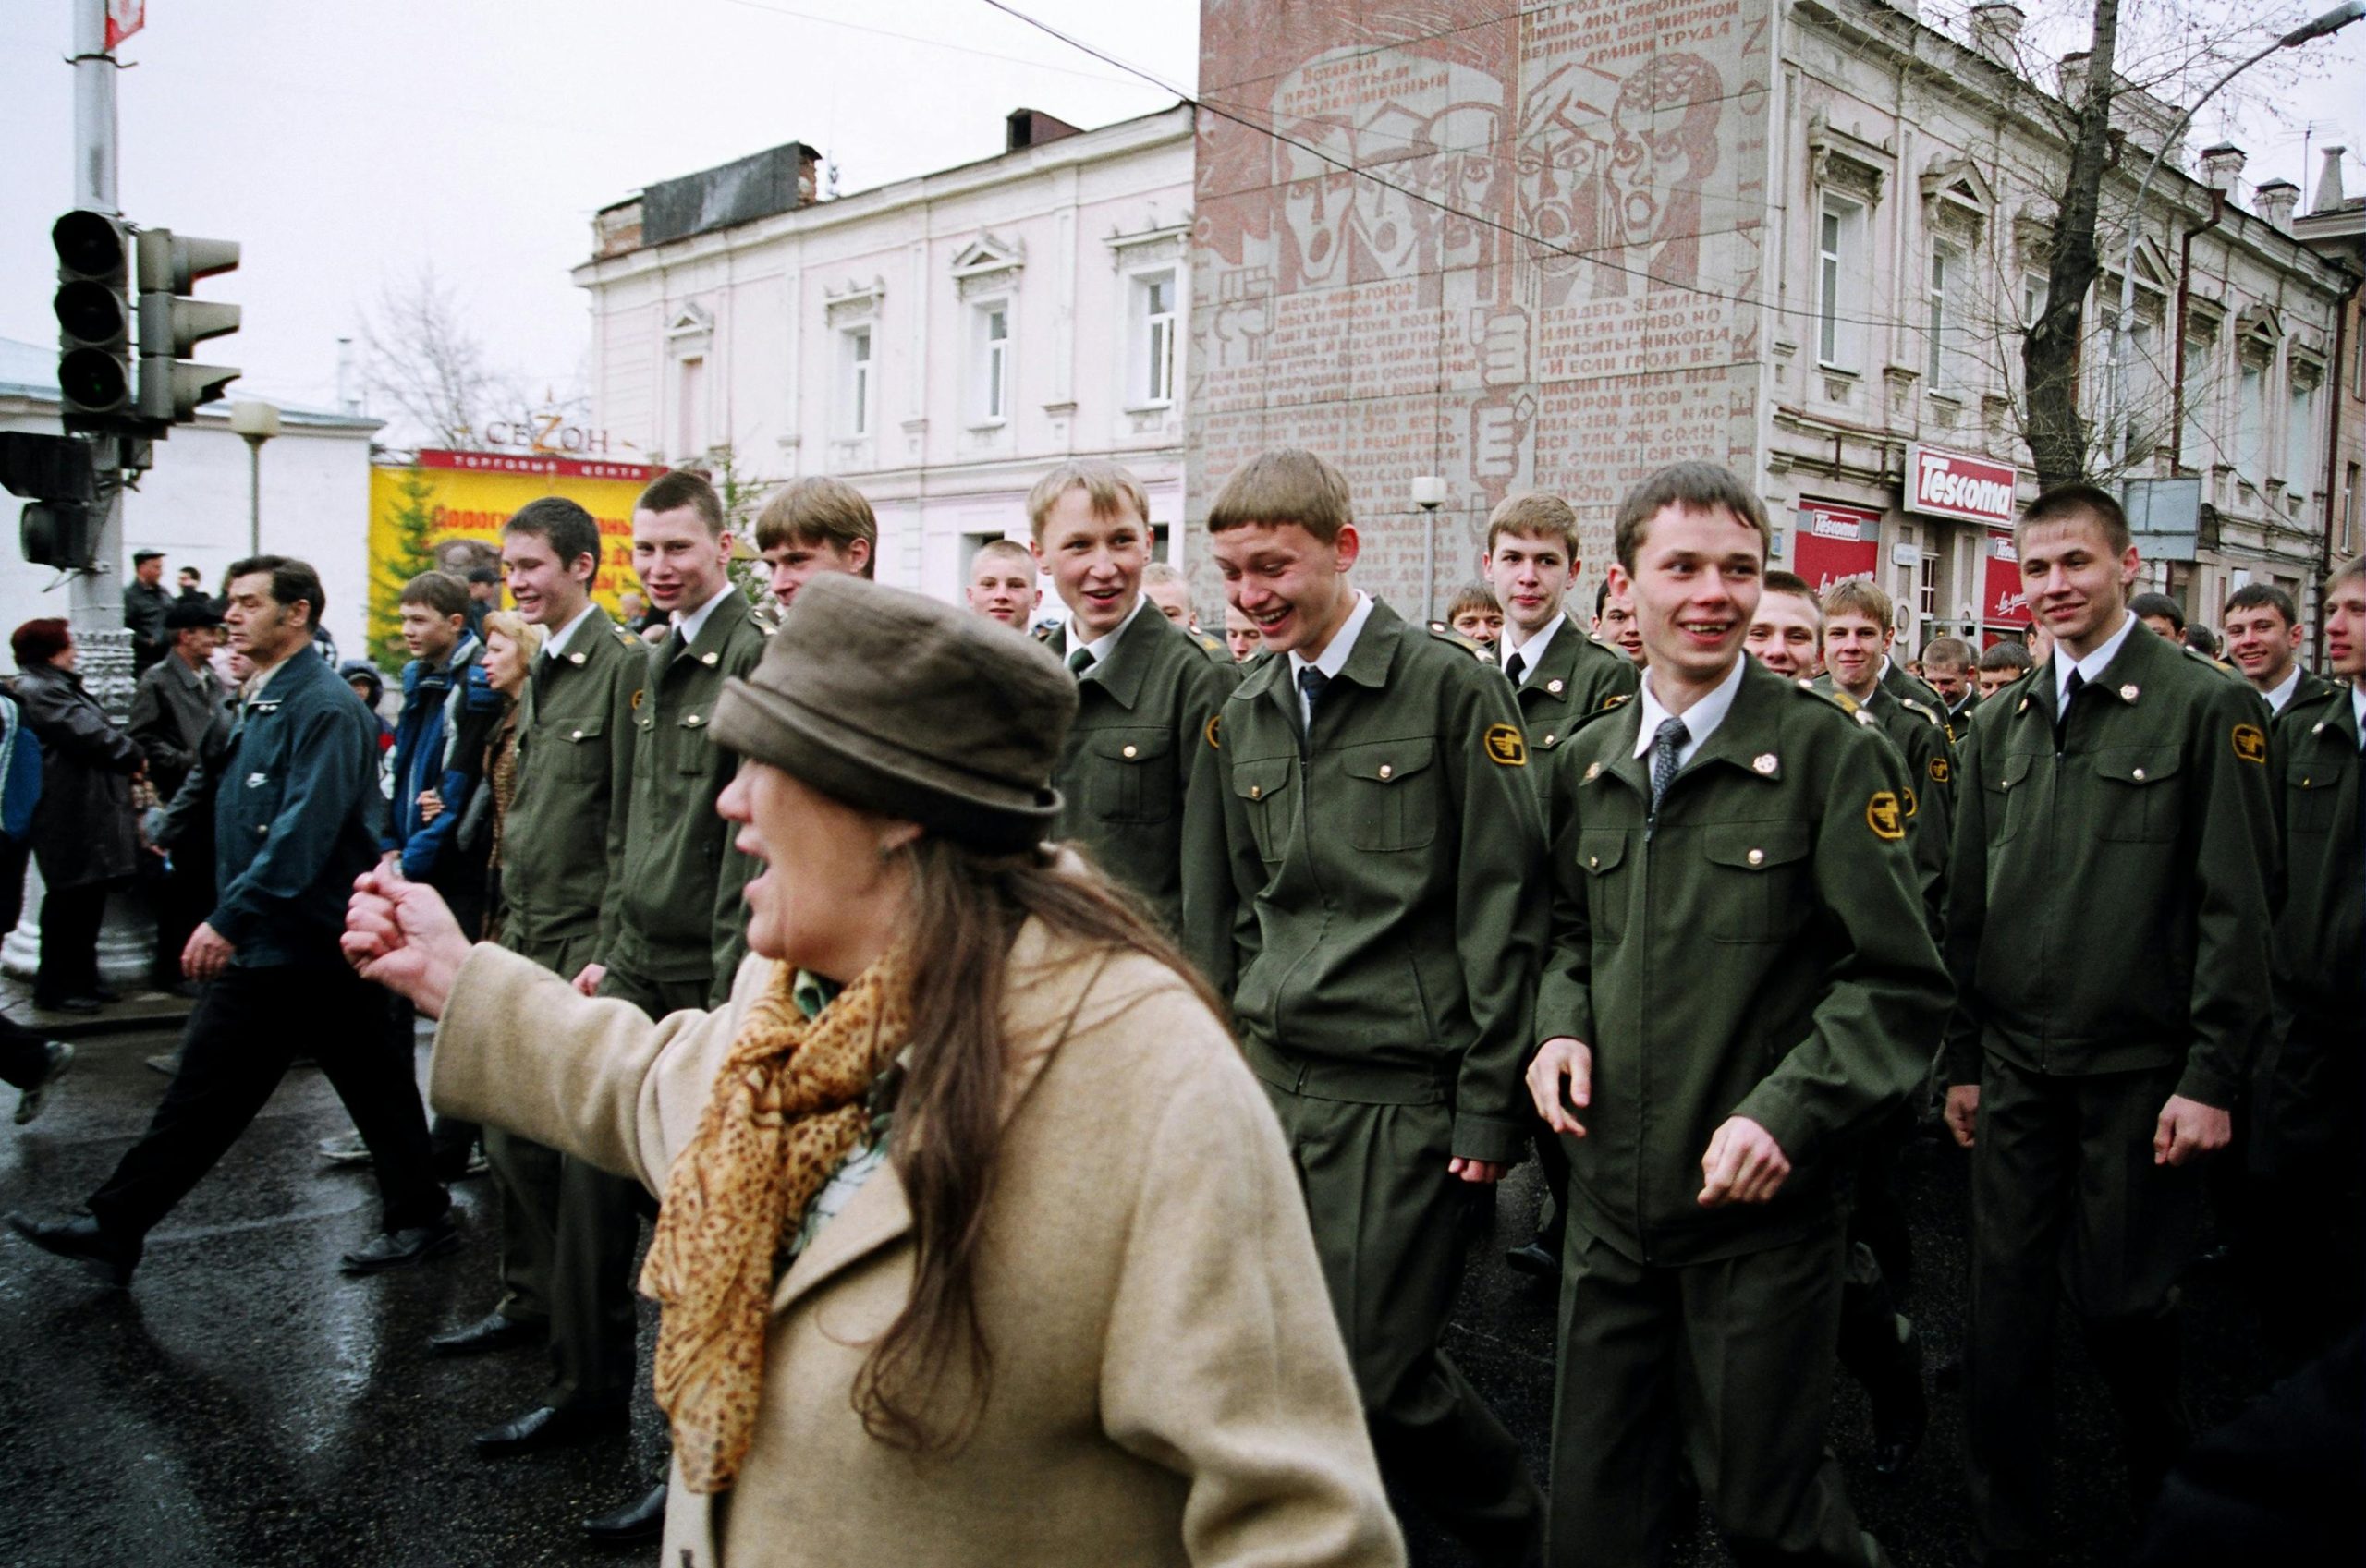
2308 1260
2065 1199
1730 1360
245 1028
527 1174
1371 1147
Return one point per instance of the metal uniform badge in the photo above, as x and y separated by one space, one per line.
1553 687
1764 763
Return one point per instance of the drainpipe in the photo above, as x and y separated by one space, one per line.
2185 290
2334 374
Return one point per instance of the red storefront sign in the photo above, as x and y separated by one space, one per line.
2004 606
1956 484
1832 544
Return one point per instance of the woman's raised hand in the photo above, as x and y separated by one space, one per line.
399 934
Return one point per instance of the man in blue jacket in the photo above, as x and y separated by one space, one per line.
296 821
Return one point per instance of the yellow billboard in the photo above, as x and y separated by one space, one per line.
425 515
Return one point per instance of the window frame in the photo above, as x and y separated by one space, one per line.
859 348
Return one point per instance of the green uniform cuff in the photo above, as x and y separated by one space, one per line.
1489 1138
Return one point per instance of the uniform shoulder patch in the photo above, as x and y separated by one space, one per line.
1506 747
1613 701
1884 815
1215 721
1939 773
627 636
638 693
1839 700
1445 633
1912 706
2251 743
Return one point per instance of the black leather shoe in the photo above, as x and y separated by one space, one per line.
631 1524
81 1240
551 1426
1534 1258
83 1005
493 1331
1901 1410
400 1249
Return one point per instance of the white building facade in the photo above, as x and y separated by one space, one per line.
939 343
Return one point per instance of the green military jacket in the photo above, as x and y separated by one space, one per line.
1920 732
1574 678
2308 689
573 771
2320 932
1755 952
1140 784
1393 920
2108 907
679 914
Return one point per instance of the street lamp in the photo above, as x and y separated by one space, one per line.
2330 22
1429 494
258 423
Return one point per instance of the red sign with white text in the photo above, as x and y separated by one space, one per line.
2003 603
1955 484
123 19
1832 544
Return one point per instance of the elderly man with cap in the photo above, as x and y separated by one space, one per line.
967 1167
145 599
175 706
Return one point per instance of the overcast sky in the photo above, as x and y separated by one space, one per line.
348 145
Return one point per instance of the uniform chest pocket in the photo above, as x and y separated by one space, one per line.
693 752
576 750
1753 875
1600 857
1131 777
1262 789
2009 799
2139 796
1391 798
2312 794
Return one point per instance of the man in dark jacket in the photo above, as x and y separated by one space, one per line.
295 822
178 701
145 599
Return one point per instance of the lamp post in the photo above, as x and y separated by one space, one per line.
258 423
2330 22
1429 494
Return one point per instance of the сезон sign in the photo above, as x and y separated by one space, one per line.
1956 484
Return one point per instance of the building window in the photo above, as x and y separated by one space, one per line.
2349 512
689 408
1155 338
855 349
993 362
1943 318
2034 298
2196 448
2251 422
1839 230
2300 435
2146 382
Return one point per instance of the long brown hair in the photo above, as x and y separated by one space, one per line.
966 909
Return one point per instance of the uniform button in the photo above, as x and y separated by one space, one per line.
1386 772
1129 752
1757 857
1550 740
577 736
2306 783
2138 775
1256 790
1593 862
1553 687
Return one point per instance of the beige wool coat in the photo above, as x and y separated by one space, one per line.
1168 1383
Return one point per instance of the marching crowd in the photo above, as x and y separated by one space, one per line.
1192 989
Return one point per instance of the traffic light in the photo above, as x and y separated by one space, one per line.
171 325
93 308
60 527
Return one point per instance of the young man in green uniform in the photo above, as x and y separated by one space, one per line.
1560 677
567 1230
2262 629
810 526
2308 1208
1786 630
1002 583
2107 924
1383 833
1738 963
1138 776
1858 632
1946 670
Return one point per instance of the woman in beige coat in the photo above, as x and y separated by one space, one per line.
978 1245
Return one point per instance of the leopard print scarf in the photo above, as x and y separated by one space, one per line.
788 1105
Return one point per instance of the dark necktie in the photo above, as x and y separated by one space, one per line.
541 677
1666 741
1311 685
1516 667
1080 660
2070 689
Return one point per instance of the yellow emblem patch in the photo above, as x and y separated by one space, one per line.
1882 815
2251 743
1938 770
1213 744
636 701
1912 805
1507 746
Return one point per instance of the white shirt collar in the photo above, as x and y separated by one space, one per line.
1532 652
551 643
2358 705
2282 694
1335 657
2090 668
689 625
1099 647
1701 719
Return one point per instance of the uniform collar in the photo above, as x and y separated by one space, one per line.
2282 693
1124 660
1100 647
555 644
1342 646
1532 652
2091 669
1701 719
687 626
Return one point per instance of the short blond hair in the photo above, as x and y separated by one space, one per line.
520 631
1108 489
1288 485
1535 515
818 510
1859 596
1000 547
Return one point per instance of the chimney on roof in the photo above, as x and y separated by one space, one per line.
1032 128
2070 80
2221 167
1997 31
2329 196
2274 201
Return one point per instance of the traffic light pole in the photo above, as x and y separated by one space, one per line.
95 602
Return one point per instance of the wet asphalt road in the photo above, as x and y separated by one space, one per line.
246 1404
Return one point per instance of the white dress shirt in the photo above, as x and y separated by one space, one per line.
551 643
2282 694
1335 657
2090 668
1701 719
1532 652
687 626
1099 647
